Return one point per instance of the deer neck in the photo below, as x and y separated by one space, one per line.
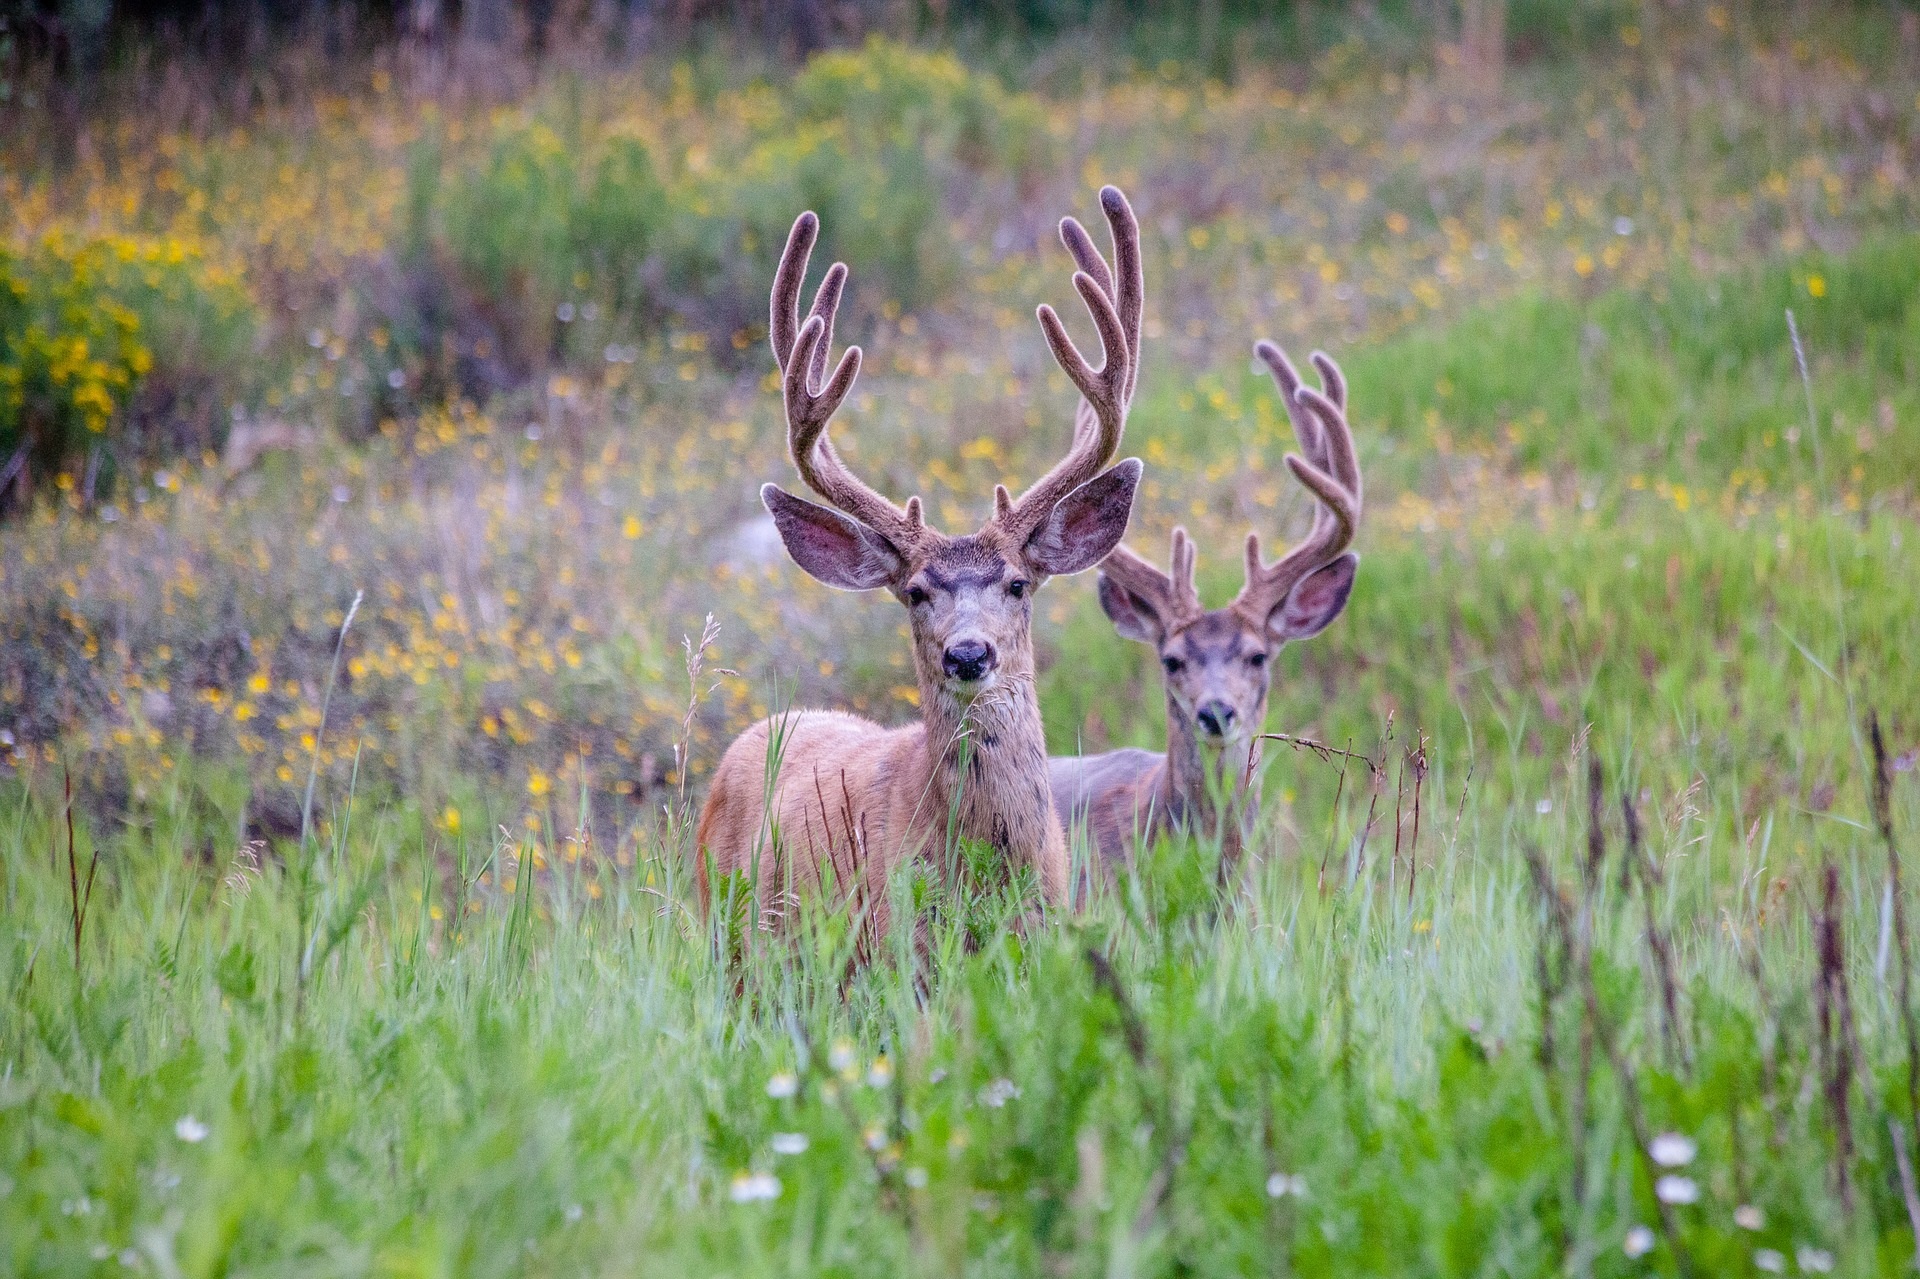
1211 790
987 757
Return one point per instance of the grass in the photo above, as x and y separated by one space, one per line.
469 1017
580 1085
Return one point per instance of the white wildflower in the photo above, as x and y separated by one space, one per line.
788 1143
880 1074
1676 1190
1638 1243
1672 1150
1815 1261
190 1130
1280 1185
754 1187
1748 1217
840 1056
917 1178
783 1085
999 1093
1543 807
1770 1261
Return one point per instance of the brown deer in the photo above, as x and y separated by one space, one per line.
1218 665
848 797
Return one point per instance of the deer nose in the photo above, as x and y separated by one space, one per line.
970 659
1216 717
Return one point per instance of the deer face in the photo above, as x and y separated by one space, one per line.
969 600
1218 665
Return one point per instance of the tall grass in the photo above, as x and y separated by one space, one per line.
1323 1079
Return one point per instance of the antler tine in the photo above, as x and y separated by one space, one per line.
1330 471
1182 557
1331 378
1124 229
1306 428
783 324
1139 576
826 304
1113 297
801 351
1128 291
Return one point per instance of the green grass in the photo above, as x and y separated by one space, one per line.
1691 378
1695 378
579 1086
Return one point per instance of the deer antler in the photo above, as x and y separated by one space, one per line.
801 352
1172 595
1114 297
1330 471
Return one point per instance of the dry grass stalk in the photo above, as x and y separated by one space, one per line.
80 896
1417 760
1883 818
1833 1022
1560 915
1642 868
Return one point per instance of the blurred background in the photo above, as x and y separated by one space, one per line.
462 307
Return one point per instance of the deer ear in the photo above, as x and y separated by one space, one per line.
1131 616
1086 524
829 546
1315 601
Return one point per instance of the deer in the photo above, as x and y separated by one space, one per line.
1217 665
812 794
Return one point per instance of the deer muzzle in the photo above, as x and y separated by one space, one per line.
969 661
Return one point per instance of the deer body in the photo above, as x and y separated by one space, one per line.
1199 784
855 800
1217 664
849 801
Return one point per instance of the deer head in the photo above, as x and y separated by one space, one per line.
1218 664
968 598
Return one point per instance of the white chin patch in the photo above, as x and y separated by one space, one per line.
975 687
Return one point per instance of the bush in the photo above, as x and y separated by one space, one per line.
533 223
882 142
84 323
893 98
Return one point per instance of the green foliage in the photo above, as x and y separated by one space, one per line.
899 99
532 223
539 218
84 323
1696 376
1316 1081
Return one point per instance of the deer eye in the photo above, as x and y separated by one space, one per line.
916 597
1257 660
1018 587
1172 665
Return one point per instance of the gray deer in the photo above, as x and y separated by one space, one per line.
1218 665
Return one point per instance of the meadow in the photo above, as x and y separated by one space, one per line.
383 573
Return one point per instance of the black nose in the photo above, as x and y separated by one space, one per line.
1216 717
970 659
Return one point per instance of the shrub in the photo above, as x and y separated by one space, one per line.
881 141
891 97
533 224
880 213
84 323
